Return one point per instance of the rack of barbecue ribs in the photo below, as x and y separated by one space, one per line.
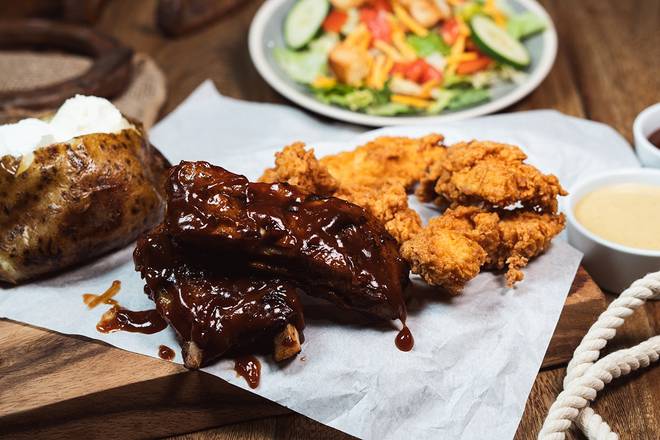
261 243
213 312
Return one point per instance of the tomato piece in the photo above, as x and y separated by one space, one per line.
431 73
376 21
380 4
335 21
416 71
449 31
399 69
468 67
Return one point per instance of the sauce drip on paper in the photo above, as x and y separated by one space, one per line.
166 353
249 368
105 298
404 339
119 318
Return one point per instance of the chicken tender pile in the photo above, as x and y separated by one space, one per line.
500 212
490 174
399 160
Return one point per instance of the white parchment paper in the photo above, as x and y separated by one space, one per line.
475 356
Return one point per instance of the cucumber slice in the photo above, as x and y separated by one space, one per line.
303 22
497 43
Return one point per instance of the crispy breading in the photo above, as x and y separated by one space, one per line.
475 223
388 203
300 167
443 257
510 238
489 173
524 235
396 159
452 249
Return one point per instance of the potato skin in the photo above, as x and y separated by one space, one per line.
77 200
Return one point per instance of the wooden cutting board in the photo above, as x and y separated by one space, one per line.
69 387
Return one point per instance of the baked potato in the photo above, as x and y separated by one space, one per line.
67 202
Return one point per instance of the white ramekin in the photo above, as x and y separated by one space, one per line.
613 266
646 123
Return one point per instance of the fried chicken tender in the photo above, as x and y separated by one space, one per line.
488 173
525 235
443 257
509 238
388 203
300 167
475 223
397 159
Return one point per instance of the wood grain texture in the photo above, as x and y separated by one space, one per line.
584 303
607 70
94 387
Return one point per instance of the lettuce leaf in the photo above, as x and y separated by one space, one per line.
304 66
467 97
353 98
425 46
524 25
346 96
442 99
390 109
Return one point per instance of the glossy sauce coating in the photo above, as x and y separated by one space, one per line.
213 306
249 368
334 248
120 319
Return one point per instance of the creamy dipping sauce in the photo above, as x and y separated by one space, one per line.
626 213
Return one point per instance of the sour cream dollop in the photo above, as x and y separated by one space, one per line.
78 116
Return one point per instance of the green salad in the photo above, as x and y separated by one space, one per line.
405 57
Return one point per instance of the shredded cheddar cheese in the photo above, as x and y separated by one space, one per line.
491 9
388 50
383 65
411 101
324 82
408 21
406 51
465 56
463 29
455 54
428 86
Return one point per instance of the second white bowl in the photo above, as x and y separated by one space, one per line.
645 124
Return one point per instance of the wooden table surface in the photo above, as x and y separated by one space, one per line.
607 70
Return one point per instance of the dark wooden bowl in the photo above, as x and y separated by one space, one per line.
108 76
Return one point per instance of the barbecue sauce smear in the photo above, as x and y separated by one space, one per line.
249 368
119 318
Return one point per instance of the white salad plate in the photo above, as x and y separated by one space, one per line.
266 33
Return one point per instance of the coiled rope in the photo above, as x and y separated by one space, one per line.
586 375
